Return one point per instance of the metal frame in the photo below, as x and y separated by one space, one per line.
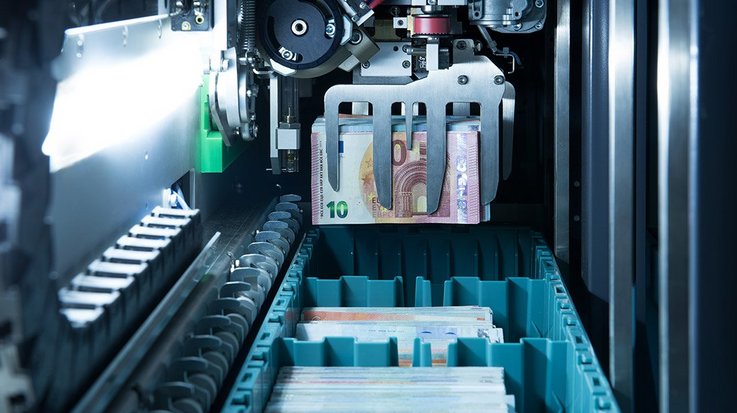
621 198
561 119
594 149
114 187
475 79
677 137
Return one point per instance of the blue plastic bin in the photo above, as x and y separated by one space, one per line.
548 360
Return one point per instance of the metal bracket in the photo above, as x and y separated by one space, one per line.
471 79
285 130
357 10
232 98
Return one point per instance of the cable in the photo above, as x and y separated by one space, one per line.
505 52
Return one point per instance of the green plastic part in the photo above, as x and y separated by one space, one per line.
214 156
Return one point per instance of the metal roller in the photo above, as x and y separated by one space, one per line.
268 249
431 25
292 208
282 228
293 198
285 216
253 276
275 238
258 261
246 298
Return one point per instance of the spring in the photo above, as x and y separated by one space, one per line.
246 26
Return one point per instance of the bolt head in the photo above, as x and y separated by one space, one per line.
462 80
539 3
330 29
365 65
498 80
356 37
461 45
406 64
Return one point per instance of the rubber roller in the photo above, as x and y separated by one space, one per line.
431 26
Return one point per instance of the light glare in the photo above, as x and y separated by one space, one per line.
113 104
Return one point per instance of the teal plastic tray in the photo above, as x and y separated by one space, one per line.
548 360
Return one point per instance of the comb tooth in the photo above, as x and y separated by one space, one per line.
331 140
408 117
489 154
508 128
436 154
382 148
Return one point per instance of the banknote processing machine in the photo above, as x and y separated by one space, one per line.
155 175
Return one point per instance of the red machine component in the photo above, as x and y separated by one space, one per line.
431 25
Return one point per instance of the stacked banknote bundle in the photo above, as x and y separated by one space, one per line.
357 203
438 326
390 389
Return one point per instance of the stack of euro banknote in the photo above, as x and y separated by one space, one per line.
394 389
357 203
438 326
390 389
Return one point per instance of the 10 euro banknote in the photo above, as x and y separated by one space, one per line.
357 203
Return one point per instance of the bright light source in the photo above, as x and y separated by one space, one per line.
113 103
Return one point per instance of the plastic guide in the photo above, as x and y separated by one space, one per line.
548 360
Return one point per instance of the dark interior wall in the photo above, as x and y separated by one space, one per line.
714 196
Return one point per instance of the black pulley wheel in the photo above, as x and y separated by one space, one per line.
300 34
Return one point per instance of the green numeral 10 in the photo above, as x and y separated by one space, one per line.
340 209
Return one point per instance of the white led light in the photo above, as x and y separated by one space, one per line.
112 104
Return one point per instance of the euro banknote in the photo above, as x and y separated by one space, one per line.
357 203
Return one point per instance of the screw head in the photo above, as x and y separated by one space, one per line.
287 54
461 45
366 65
356 37
330 29
498 80
539 3
406 64
462 80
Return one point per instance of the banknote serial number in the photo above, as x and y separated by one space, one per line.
339 209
